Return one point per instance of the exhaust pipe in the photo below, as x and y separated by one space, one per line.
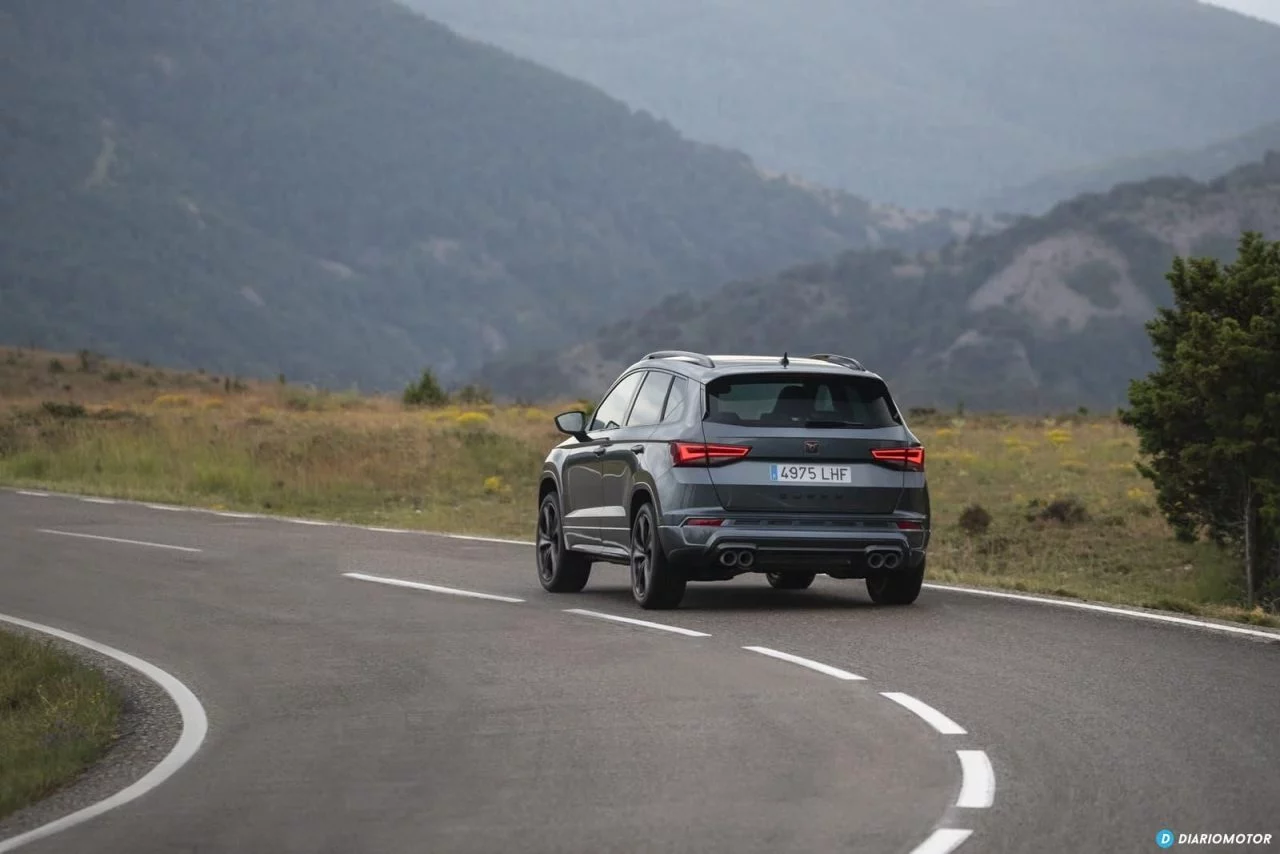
891 560
875 560
746 558
728 558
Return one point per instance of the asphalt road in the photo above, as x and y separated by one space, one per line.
352 716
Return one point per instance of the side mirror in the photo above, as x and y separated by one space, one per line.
573 424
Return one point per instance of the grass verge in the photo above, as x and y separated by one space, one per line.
57 716
1041 505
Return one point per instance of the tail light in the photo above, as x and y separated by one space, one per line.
909 525
701 454
911 459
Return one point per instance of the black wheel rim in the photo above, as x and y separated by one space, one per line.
548 541
641 555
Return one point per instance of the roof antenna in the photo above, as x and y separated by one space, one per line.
785 360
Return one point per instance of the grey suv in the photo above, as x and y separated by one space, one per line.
701 468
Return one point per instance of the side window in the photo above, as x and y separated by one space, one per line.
613 409
648 406
676 403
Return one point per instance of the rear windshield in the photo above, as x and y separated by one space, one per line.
800 400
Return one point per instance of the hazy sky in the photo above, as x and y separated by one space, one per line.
1266 9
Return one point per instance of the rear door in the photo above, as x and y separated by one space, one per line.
822 442
625 457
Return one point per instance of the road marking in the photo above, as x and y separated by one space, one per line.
634 622
1242 631
119 540
942 841
1274 637
434 588
805 662
99 501
932 716
978 789
314 522
195 725
32 494
226 514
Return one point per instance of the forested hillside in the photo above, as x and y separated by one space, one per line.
918 102
1046 315
1203 164
344 191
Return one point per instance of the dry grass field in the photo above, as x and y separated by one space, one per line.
1066 511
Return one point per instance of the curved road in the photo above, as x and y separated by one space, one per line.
347 715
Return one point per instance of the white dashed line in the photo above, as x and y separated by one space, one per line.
195 725
1259 634
634 622
942 841
433 588
978 789
931 716
804 662
119 540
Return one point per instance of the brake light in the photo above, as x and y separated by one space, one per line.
701 454
908 458
909 526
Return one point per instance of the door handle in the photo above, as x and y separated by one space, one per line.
599 452
637 449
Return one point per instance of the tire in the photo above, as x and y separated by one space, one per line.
900 587
559 570
790 580
655 583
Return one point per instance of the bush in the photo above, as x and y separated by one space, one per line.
1064 511
56 366
64 410
473 395
975 520
425 392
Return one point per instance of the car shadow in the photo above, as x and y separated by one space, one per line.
714 596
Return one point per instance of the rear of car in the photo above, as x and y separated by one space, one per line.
813 470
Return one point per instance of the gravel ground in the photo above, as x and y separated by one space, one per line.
148 727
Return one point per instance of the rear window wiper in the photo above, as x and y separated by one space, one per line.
821 423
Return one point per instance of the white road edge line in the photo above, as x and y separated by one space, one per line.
929 714
32 494
805 662
978 789
1226 628
195 725
119 540
1112 609
944 840
99 501
631 621
433 588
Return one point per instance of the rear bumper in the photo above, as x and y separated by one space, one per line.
840 552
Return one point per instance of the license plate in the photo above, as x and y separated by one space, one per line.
834 475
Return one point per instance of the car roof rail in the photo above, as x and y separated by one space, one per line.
697 358
836 359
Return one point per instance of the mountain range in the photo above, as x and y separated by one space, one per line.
1045 315
920 102
346 192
